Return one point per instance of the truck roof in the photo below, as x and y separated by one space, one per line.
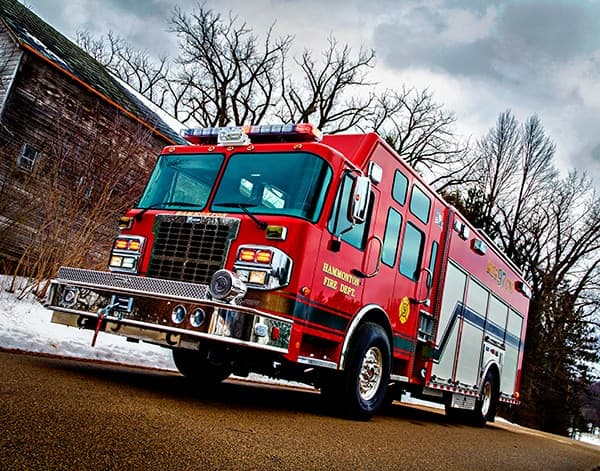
355 147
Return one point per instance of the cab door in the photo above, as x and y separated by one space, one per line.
337 286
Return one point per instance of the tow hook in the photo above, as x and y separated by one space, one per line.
102 313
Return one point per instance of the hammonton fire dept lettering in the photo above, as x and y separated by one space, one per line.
340 275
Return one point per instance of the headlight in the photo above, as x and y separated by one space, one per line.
263 267
126 254
178 314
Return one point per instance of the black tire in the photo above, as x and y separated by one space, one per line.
486 404
393 393
199 368
365 379
455 415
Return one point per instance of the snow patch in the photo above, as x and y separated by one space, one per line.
25 325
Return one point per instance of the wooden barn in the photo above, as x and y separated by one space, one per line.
75 148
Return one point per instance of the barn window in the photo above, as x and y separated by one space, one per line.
89 191
27 157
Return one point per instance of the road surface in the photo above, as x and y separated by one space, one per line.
65 414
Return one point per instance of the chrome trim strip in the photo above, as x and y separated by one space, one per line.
399 378
353 325
317 362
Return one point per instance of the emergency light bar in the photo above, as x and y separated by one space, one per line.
244 135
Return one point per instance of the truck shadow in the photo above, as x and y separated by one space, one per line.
233 393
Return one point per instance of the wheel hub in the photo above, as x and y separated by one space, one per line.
486 398
370 373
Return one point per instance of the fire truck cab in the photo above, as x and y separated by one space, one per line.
317 258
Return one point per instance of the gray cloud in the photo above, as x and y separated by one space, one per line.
154 9
143 24
524 36
552 30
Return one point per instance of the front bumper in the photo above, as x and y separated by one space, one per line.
143 308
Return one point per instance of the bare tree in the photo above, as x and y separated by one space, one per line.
224 74
147 75
514 173
76 206
232 77
106 50
533 178
563 253
549 226
497 157
329 92
422 132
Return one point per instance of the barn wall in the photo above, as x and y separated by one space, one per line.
10 56
92 163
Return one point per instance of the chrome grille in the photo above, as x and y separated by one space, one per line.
190 248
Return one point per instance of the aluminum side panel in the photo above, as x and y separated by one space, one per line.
448 327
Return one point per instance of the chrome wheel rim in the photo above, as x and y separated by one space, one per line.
370 373
486 398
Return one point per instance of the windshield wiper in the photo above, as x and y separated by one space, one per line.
262 225
138 216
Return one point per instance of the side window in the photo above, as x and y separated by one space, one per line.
27 158
400 187
412 252
391 237
420 204
433 259
339 224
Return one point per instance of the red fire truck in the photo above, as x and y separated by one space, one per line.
317 258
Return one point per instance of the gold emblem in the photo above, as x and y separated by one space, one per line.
404 310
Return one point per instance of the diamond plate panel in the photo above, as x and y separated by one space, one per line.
131 283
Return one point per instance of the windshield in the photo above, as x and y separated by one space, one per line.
181 181
283 183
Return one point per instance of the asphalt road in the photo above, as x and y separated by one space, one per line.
65 414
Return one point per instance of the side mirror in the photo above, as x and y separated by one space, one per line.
361 194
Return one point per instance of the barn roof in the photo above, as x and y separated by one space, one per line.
37 36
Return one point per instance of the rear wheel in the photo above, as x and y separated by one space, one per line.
485 406
201 367
364 381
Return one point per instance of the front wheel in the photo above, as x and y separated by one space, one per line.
201 367
367 374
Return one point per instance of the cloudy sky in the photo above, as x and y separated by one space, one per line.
477 57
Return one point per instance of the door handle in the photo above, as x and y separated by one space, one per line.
428 284
362 274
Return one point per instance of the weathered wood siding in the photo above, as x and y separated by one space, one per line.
93 162
10 55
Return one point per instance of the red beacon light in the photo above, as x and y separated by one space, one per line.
262 133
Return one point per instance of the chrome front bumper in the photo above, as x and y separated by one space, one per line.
143 308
